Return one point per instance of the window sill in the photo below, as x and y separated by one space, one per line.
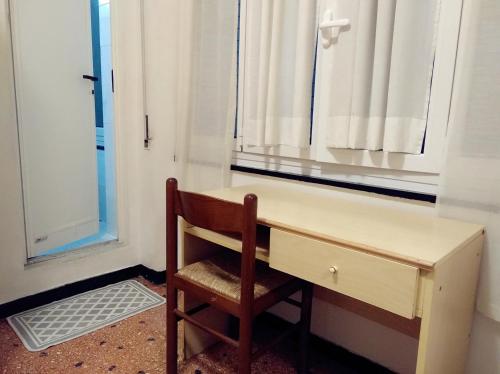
396 183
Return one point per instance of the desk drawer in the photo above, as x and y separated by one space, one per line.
375 280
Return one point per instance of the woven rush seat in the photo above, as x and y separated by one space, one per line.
221 273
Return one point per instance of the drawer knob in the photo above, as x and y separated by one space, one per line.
333 269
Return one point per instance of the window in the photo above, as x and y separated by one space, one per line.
347 87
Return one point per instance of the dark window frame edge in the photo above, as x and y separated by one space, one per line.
392 192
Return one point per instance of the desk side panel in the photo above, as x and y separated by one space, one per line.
448 311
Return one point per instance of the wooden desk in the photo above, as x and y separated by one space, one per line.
416 273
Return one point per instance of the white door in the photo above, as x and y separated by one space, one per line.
52 51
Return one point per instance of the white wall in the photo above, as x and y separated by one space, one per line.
18 280
484 351
160 40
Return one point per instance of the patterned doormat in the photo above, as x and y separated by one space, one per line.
75 316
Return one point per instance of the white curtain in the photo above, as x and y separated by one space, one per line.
279 69
378 74
206 92
470 185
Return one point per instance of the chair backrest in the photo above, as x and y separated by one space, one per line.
216 215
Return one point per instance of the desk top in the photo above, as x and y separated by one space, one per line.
412 238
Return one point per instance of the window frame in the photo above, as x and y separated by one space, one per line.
401 167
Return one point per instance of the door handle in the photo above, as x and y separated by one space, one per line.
90 78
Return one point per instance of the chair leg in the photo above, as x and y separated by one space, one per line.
171 330
305 326
245 345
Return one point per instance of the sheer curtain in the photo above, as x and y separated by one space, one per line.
378 73
470 185
206 92
279 69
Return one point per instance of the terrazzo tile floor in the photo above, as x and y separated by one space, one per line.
137 346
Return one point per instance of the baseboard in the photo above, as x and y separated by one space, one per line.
157 277
68 290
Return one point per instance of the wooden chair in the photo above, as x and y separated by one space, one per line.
238 285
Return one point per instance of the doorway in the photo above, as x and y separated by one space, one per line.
64 94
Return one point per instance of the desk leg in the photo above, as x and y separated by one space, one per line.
448 309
